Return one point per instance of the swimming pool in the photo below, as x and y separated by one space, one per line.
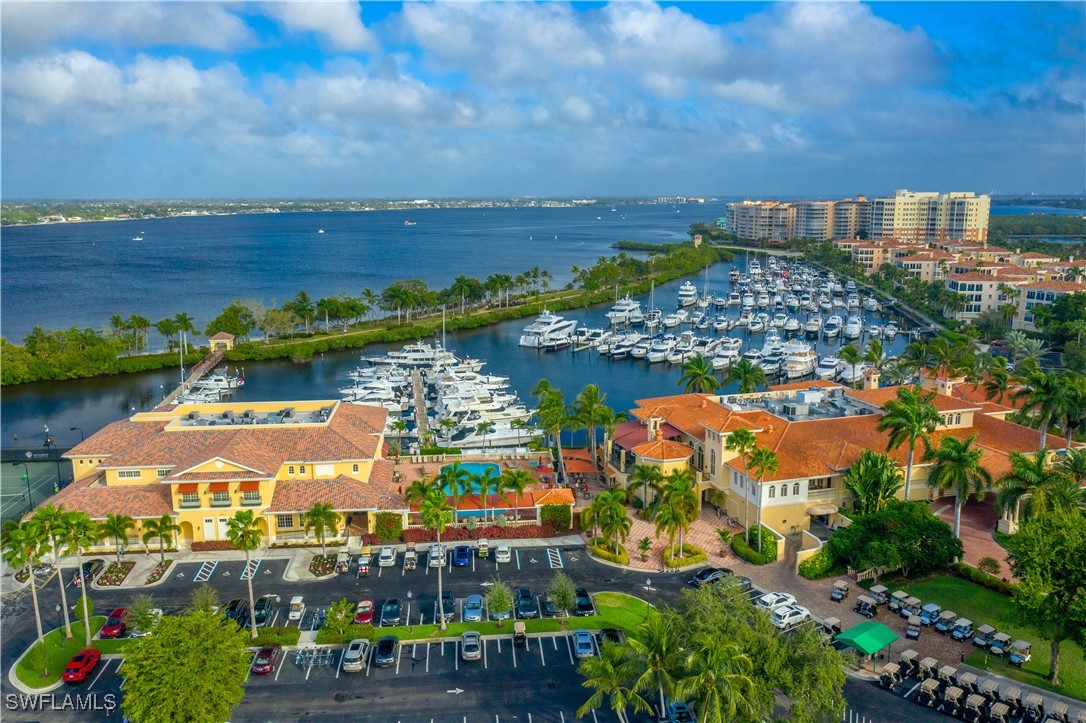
475 469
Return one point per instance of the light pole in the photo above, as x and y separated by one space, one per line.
80 429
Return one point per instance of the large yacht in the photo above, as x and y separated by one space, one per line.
827 367
799 360
626 311
832 327
416 355
549 331
853 328
688 294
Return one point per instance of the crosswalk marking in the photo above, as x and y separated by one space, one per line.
554 557
250 569
206 571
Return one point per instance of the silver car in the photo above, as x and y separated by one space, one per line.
354 660
583 647
387 558
473 609
471 646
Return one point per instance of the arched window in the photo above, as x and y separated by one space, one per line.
301 469
354 468
795 488
772 492
957 418
784 490
290 469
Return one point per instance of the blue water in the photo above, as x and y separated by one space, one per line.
476 469
1026 210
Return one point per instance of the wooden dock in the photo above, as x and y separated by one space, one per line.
207 364
419 390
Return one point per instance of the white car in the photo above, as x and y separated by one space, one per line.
789 616
354 659
773 600
387 558
140 633
436 556
503 554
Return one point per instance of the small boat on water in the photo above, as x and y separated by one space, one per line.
853 328
625 311
832 327
827 367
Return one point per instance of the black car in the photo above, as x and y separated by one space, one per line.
91 570
262 610
709 575
584 603
391 612
448 605
610 635
550 610
238 611
385 652
526 604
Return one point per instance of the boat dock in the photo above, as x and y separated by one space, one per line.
208 363
419 391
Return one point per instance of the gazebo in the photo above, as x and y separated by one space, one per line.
868 638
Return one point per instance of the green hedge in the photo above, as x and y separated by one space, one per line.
687 555
745 552
327 636
432 451
972 574
818 566
389 525
281 634
560 517
606 553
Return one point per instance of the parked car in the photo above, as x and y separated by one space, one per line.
354 658
500 614
550 610
238 611
786 617
448 605
297 608
392 612
262 609
363 612
527 608
79 667
583 647
138 632
610 635
91 569
584 606
387 557
709 576
471 646
436 556
473 609
503 554
461 556
384 655
266 658
116 624
679 712
773 600
745 584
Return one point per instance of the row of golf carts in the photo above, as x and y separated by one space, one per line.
963 695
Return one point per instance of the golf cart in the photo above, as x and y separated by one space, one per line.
1013 698
829 628
908 662
343 562
929 693
948 675
1034 708
520 635
897 600
911 607
999 713
982 638
891 676
953 698
867 606
1000 643
963 629
929 614
483 549
297 608
945 623
410 560
927 668
881 594
974 707
990 688
968 682
1020 652
912 632
839 591
1059 712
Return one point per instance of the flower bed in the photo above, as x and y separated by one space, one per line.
490 532
687 555
116 573
212 546
322 565
158 572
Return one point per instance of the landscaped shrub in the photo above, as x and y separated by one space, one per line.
370 538
560 517
433 451
158 572
389 525
212 546
687 555
322 565
328 636
116 573
989 565
972 574
607 552
281 634
744 552
769 542
817 566
490 532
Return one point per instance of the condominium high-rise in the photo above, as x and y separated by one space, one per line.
916 216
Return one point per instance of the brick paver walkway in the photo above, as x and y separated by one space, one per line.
979 518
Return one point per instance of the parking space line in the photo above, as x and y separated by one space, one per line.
248 673
473 562
282 664
570 649
427 657
369 659
339 665
554 640
409 613
484 654
120 664
100 672
399 654
518 559
594 719
541 658
911 690
275 617
207 569
456 656
499 641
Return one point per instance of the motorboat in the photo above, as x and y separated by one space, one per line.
688 294
734 299
748 301
799 361
549 331
654 318
779 320
762 300
722 324
889 331
791 325
824 303
853 328
625 311
671 321
622 349
222 379
500 434
756 325
640 350
852 373
419 355
827 367
720 302
683 349
661 348
871 304
792 302
725 358
744 318
832 327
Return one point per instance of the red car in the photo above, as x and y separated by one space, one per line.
363 613
81 665
115 624
266 658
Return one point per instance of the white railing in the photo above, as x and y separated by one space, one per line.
826 494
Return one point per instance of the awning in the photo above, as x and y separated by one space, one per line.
869 638
188 487
250 485
546 470
823 509
219 487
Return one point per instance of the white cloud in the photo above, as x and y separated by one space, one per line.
337 20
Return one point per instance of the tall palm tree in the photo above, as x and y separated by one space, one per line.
554 417
23 544
485 483
303 306
956 467
610 512
437 515
321 518
698 376
719 681
645 477
1043 393
749 375
656 650
167 328
418 489
162 530
140 325
80 533
1072 407
116 526
850 354
243 531
742 441
873 481
997 384
484 428
456 481
874 354
1072 465
678 493
461 286
184 327
51 518
609 419
515 481
763 461
910 418
588 406
1035 487
611 675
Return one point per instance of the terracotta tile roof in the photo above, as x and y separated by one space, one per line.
1057 285
973 276
576 453
342 493
212 476
635 431
580 466
1035 255
662 449
977 394
879 397
813 383
556 496
686 412
90 495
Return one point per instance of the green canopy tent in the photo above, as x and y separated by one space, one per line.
868 638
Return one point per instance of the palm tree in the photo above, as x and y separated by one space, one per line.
668 520
610 675
80 533
553 416
678 493
1042 488
167 328
609 419
742 441
850 354
51 518
957 467
455 480
645 477
749 375
448 425
610 513
24 543
588 407
184 327
162 530
719 681
485 483
910 418
516 481
117 527
698 376
461 286
304 307
874 354
140 325
1042 393
243 531
1072 407
321 518
656 650
484 428
1072 464
437 515
763 461
418 489
873 481
997 384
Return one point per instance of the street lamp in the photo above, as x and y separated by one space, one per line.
80 429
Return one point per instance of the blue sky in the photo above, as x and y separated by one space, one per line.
342 99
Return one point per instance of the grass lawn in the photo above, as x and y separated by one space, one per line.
59 653
982 606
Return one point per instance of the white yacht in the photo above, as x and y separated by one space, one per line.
853 328
221 379
641 348
721 324
502 434
889 331
671 321
748 300
791 326
779 320
720 301
852 373
418 355
734 299
813 326
762 301
827 367
744 318
622 349
549 331
832 327
661 348
688 294
626 311
871 304
800 360
756 325
654 318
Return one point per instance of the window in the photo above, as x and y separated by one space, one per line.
957 418
821 483
190 499
220 499
290 469
301 469
795 488
250 497
162 473
354 467
784 490
128 474
284 522
772 492
712 461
